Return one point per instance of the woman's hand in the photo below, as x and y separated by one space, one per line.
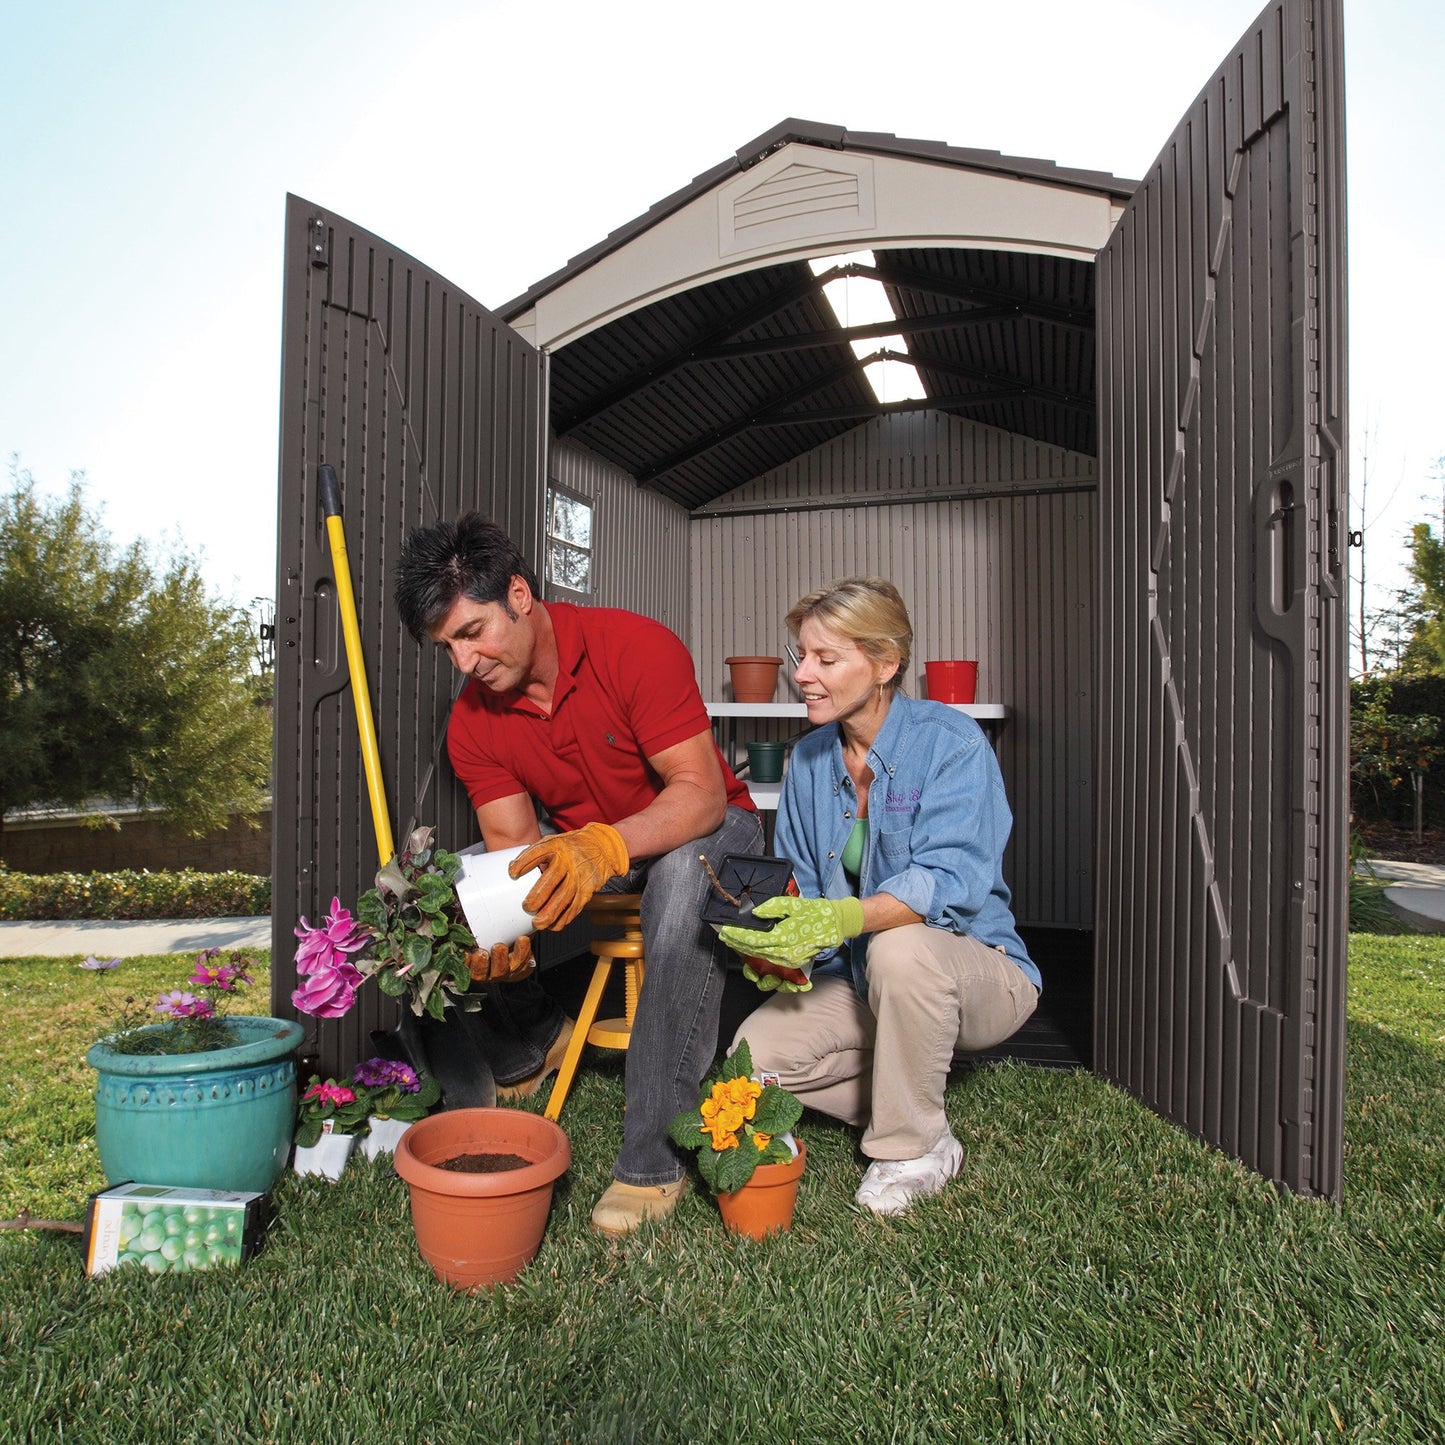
806 927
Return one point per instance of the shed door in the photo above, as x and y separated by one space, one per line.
1220 911
426 405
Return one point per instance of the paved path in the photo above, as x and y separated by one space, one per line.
1416 891
56 939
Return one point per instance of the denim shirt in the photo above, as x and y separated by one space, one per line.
937 825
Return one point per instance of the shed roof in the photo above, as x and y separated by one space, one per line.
719 380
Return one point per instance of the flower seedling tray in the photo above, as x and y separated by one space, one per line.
167 1229
750 880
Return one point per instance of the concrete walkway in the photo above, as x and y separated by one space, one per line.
103 939
1416 891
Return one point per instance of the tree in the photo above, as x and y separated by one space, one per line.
1425 651
120 677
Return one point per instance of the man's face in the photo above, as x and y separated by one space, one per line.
487 644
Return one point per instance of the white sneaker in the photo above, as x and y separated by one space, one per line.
890 1186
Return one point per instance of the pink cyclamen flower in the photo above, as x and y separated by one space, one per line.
326 945
328 992
178 1004
329 1093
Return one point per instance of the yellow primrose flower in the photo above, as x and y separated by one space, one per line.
761 1140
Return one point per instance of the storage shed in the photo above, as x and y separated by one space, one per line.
1115 475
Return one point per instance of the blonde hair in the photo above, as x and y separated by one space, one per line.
869 612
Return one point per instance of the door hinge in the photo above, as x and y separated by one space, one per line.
320 243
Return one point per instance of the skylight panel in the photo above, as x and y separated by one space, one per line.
862 301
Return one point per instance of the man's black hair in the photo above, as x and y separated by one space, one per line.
470 557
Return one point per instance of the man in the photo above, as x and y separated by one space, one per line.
593 713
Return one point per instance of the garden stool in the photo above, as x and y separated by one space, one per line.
620 915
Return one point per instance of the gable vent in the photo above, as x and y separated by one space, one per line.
793 200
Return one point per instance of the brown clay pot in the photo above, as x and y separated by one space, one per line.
754 678
766 1201
479 1230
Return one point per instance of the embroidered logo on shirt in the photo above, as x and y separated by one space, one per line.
902 802
611 741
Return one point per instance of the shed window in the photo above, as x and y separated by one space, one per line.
569 541
862 301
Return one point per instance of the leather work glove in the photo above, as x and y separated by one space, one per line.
770 976
574 866
501 963
806 928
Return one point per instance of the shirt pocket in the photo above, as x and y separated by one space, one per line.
893 851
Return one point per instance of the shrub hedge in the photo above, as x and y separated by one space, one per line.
185 893
1410 695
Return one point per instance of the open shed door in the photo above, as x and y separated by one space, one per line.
1222 826
426 405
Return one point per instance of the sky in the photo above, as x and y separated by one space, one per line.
147 150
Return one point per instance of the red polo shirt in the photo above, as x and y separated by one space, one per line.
625 692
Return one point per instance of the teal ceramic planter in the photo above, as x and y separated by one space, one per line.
216 1120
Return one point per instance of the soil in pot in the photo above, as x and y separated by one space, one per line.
483 1163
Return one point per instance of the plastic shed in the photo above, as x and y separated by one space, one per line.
1124 492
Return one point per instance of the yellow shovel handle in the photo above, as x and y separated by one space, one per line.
356 664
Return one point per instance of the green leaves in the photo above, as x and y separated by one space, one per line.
120 676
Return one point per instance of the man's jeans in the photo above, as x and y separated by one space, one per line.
674 1036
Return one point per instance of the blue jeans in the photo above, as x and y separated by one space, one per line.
674 1036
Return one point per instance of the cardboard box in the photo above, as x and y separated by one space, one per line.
169 1229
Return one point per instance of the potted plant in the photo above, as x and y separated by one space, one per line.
746 1154
410 935
396 1097
329 1119
201 1097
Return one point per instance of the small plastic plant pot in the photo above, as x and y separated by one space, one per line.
754 679
765 1203
951 681
765 761
481 1230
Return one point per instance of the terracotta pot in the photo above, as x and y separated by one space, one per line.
479 1230
766 1201
754 678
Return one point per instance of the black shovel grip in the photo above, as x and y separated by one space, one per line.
330 490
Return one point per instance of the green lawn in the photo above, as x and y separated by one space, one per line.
1093 1275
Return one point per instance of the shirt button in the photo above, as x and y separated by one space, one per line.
846 813
831 855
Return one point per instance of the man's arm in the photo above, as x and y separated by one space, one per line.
509 822
692 803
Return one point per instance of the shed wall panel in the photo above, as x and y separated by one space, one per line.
1221 840
427 406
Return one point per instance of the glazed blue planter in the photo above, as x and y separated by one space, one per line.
222 1119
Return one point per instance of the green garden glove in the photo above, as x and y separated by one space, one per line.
806 928
770 976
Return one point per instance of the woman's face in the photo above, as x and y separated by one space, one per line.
837 679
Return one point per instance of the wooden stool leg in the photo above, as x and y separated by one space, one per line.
585 1015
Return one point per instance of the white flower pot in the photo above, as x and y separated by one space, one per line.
327 1156
384 1136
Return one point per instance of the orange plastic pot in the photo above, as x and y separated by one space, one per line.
755 679
480 1230
765 1203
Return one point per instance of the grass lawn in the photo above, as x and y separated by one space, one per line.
1093 1275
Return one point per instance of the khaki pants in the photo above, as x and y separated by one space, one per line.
885 1065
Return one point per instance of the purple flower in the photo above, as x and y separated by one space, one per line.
99 965
329 991
226 977
325 946
178 1004
386 1073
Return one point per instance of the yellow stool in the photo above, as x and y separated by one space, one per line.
621 915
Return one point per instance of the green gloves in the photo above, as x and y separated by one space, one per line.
807 927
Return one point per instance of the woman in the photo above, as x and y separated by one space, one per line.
893 813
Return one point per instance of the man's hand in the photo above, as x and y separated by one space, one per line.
500 963
574 866
807 927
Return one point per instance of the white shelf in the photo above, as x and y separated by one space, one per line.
984 711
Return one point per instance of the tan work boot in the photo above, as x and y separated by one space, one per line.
624 1206
525 1088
